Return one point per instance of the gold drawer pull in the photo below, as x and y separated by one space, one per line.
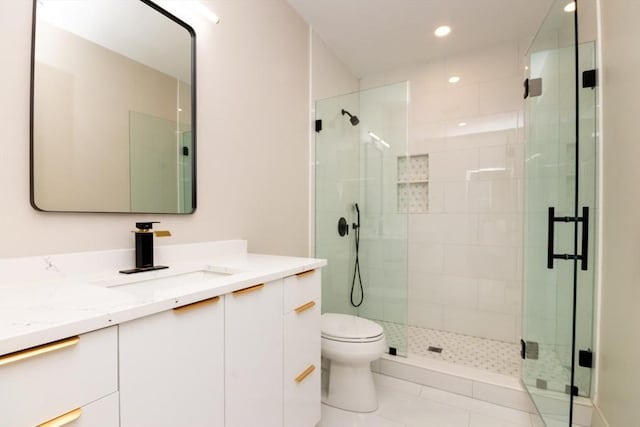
63 420
249 289
196 305
305 307
305 273
305 374
36 351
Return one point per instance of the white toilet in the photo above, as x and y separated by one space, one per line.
349 345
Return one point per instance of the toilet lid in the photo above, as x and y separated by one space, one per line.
347 327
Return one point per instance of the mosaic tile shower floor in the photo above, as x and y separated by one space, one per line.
490 355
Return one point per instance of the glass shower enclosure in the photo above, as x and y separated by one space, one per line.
560 217
357 163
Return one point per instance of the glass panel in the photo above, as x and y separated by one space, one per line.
359 164
336 190
550 182
384 140
588 132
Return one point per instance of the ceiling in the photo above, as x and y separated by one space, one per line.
370 36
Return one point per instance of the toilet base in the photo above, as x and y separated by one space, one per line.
351 388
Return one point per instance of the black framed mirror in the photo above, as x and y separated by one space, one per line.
113 108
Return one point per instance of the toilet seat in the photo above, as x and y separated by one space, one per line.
348 328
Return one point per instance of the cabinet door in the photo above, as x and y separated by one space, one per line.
172 367
45 382
302 366
253 351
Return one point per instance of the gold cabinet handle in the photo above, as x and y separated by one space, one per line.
249 289
36 351
198 304
305 307
305 273
63 420
305 374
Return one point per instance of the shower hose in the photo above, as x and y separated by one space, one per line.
356 267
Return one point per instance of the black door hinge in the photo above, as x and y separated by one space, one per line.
590 79
318 125
585 358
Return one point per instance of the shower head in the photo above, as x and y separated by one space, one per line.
353 119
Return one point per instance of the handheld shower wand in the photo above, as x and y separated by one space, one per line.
357 223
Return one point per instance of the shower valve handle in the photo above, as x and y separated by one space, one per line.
343 227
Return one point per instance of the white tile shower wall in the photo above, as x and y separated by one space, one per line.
464 254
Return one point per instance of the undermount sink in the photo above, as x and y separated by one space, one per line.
159 279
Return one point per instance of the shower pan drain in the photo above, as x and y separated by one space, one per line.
435 349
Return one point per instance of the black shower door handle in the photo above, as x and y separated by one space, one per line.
585 238
551 220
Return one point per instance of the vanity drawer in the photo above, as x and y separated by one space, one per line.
101 413
302 366
45 382
301 288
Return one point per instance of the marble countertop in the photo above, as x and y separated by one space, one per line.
39 311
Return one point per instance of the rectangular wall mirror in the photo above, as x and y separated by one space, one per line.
112 108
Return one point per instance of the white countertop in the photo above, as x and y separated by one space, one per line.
40 310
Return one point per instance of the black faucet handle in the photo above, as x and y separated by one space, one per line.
146 225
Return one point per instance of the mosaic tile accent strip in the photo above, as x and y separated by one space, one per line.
490 355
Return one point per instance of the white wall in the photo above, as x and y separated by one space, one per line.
464 254
330 77
253 109
618 393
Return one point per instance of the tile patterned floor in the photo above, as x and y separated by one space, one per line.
405 404
494 356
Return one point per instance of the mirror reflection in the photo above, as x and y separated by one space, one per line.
112 108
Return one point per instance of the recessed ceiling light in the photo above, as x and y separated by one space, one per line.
442 31
570 7
462 124
454 79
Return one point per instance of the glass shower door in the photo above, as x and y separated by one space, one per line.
358 164
559 219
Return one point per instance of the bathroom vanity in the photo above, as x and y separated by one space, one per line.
221 338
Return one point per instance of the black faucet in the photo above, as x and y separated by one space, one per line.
144 248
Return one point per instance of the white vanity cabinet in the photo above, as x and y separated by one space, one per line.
302 349
101 413
253 355
172 367
60 380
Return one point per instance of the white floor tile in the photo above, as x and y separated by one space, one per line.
415 411
508 415
333 417
405 404
478 420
